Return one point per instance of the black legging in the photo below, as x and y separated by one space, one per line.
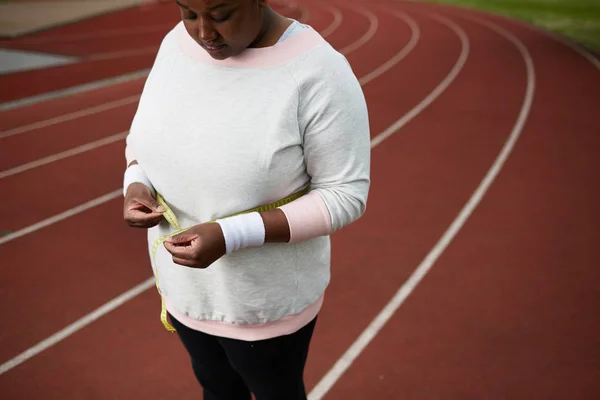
230 369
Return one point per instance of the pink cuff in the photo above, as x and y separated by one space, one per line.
308 217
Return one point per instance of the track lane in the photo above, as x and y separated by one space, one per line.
123 19
106 361
53 188
94 42
31 83
27 118
448 155
63 272
507 311
434 168
44 142
341 37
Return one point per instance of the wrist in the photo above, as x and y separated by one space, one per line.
135 174
241 231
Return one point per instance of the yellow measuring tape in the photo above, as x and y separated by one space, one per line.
169 215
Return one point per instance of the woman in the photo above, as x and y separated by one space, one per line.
242 108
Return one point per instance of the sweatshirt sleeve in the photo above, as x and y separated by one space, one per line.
162 61
334 121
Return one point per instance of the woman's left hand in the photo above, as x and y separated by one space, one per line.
198 247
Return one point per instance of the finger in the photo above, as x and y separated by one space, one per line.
143 206
150 202
141 216
140 193
143 224
182 239
186 263
185 252
152 224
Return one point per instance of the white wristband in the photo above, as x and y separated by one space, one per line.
243 230
135 174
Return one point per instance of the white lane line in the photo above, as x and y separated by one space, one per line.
369 34
70 116
63 215
414 39
76 326
87 87
338 18
59 156
444 84
69 330
409 286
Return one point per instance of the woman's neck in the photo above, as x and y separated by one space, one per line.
274 25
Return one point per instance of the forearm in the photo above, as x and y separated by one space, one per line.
277 228
302 219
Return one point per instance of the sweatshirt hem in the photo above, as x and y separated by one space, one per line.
252 332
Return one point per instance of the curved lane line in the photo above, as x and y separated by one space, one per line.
409 286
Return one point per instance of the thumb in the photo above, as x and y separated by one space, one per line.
180 238
151 203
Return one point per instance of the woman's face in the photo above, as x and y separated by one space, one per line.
223 28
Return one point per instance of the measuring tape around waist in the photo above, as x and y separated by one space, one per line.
169 215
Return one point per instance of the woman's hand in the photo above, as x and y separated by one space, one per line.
198 247
141 210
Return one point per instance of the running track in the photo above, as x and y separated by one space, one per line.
473 274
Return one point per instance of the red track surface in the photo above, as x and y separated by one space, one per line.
509 310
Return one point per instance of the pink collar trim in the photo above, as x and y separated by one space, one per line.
254 57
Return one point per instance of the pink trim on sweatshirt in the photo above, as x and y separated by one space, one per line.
308 217
277 54
285 326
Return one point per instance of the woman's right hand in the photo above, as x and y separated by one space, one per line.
141 210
